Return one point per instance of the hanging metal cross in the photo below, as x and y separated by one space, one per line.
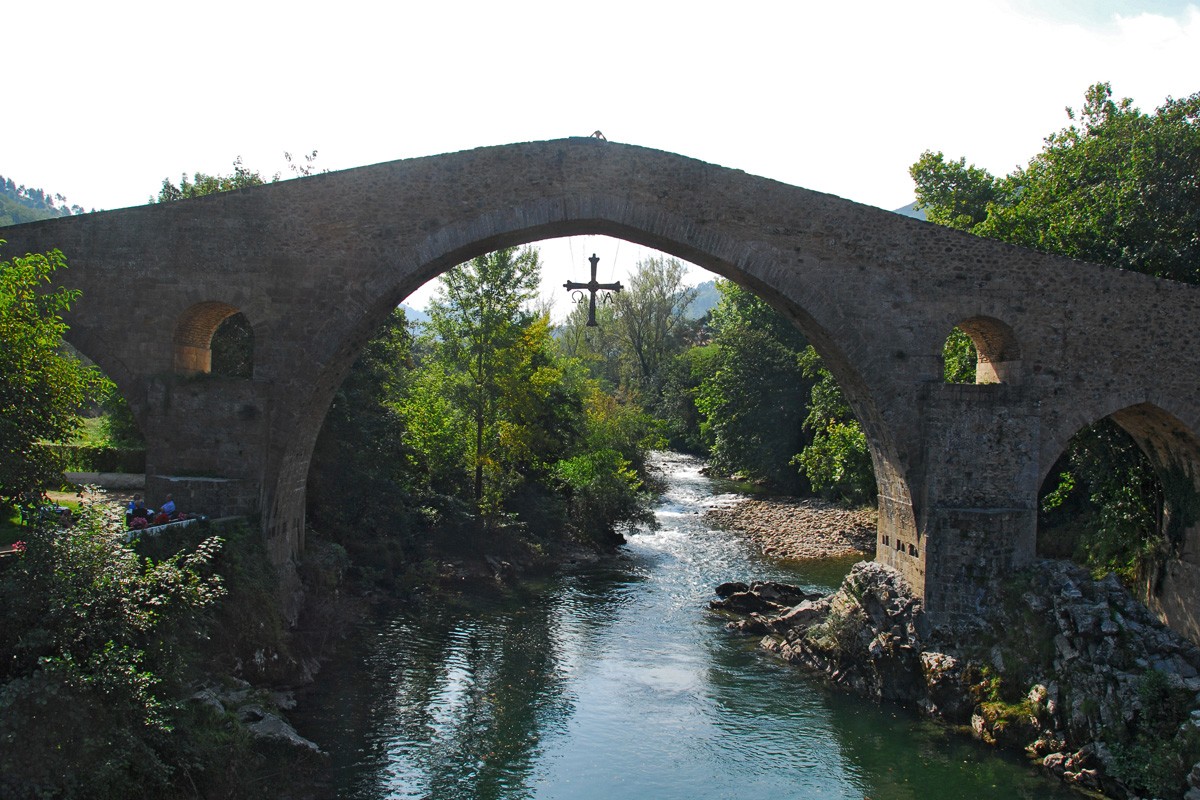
592 286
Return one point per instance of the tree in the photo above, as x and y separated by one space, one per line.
478 322
92 684
41 388
753 397
242 177
837 461
649 314
1116 187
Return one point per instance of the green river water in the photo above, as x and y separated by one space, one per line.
617 682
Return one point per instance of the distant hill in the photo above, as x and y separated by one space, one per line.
414 314
910 210
706 300
19 203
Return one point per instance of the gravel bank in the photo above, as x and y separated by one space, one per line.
794 528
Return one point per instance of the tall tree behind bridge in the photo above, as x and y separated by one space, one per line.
1115 187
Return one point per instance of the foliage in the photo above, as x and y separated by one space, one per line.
91 689
204 184
959 358
480 416
1164 746
952 193
1105 479
119 426
601 487
650 315
1116 187
752 398
685 375
480 341
98 458
41 388
837 461
638 332
374 466
242 177
19 203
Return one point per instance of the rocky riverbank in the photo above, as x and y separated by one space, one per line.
793 529
1076 672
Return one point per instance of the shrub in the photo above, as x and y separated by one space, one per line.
91 685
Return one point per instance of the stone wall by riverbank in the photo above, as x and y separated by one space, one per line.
792 529
1076 672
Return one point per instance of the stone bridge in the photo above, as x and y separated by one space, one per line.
316 265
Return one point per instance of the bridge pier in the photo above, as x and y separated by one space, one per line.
206 442
976 513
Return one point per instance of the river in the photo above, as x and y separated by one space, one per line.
617 682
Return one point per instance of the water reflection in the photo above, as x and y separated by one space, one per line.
617 683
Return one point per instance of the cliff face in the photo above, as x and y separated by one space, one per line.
1076 672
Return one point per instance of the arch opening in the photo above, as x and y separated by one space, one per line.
888 482
981 350
1123 496
214 338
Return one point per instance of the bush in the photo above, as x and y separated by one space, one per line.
91 687
90 458
602 491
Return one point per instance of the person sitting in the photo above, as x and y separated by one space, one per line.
140 512
129 509
168 507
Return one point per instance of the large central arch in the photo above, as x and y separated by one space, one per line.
316 264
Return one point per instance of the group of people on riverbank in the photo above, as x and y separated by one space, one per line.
138 516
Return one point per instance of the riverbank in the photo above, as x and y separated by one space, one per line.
796 529
1075 672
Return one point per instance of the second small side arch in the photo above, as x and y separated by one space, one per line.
208 324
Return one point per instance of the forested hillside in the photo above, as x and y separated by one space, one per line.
20 203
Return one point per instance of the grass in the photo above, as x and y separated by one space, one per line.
92 433
13 530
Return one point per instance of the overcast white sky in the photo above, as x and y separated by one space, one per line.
103 100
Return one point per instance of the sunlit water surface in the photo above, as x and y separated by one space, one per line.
617 682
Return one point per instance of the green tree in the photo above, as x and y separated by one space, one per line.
242 177
753 397
478 321
1116 186
837 461
204 184
41 388
959 358
649 316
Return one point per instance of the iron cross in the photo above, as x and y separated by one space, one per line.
592 286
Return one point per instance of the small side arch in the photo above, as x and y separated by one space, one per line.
194 333
997 352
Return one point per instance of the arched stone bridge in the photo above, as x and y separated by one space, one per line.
317 264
